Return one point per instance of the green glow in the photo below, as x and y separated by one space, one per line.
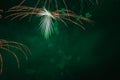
79 17
88 15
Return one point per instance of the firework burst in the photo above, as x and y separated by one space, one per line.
8 47
48 17
48 4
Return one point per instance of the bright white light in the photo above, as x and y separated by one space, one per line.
46 23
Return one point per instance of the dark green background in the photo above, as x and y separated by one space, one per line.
73 54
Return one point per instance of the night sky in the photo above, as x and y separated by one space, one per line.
71 53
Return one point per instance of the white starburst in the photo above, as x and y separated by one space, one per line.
46 23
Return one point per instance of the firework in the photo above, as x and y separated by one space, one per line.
47 18
8 47
63 3
47 4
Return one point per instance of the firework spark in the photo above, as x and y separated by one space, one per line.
46 23
8 47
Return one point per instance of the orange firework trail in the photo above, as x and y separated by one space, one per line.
47 4
8 47
46 23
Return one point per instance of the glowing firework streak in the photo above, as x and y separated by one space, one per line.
8 46
47 27
47 3
46 23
